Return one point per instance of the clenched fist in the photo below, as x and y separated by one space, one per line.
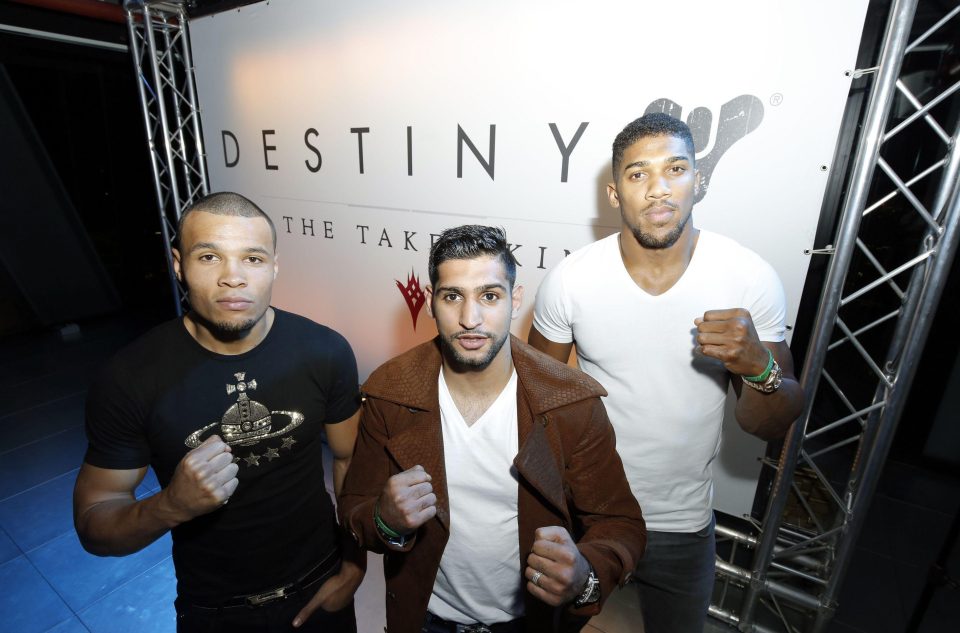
556 570
408 500
730 337
204 480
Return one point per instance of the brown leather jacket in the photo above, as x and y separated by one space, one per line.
570 475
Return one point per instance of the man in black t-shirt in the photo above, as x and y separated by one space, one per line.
229 404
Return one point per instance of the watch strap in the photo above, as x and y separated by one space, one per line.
771 382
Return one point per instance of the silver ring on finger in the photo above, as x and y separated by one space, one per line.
535 579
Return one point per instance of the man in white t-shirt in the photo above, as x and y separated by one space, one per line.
486 471
663 315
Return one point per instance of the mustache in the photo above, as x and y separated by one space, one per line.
471 333
664 203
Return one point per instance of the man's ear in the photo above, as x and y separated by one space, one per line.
517 300
176 264
428 291
697 182
612 196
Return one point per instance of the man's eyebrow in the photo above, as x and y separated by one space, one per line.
199 246
214 247
639 164
459 290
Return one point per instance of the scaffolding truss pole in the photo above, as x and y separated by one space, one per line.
789 584
163 64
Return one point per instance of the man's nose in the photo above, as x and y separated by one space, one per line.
232 274
659 188
470 314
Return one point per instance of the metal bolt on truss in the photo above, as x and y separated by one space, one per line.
832 458
160 46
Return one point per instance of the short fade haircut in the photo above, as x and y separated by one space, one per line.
226 203
652 124
469 242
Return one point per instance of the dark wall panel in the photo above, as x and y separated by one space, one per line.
43 245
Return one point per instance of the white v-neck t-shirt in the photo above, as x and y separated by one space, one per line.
479 579
665 401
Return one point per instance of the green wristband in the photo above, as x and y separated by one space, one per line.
766 372
383 526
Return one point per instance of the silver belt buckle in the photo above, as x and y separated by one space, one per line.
259 599
473 628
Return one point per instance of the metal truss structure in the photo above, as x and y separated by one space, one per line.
889 261
160 46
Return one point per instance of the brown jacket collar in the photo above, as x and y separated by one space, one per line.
410 379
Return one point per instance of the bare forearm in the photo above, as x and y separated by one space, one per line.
342 439
118 527
769 415
340 468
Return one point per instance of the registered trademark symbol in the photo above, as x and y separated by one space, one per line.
776 99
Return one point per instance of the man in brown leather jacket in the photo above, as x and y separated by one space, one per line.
485 471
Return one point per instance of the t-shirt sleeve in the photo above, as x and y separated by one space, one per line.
551 312
767 303
116 437
343 394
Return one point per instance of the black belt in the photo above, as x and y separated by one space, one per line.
513 626
321 572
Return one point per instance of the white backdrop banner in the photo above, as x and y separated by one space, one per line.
363 128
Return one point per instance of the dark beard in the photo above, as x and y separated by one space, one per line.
647 240
226 332
460 363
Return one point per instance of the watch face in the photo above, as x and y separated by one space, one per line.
594 595
591 593
777 377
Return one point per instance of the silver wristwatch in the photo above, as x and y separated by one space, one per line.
591 592
772 381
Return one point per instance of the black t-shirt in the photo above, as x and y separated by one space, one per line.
166 393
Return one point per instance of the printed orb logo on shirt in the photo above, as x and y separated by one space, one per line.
248 422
